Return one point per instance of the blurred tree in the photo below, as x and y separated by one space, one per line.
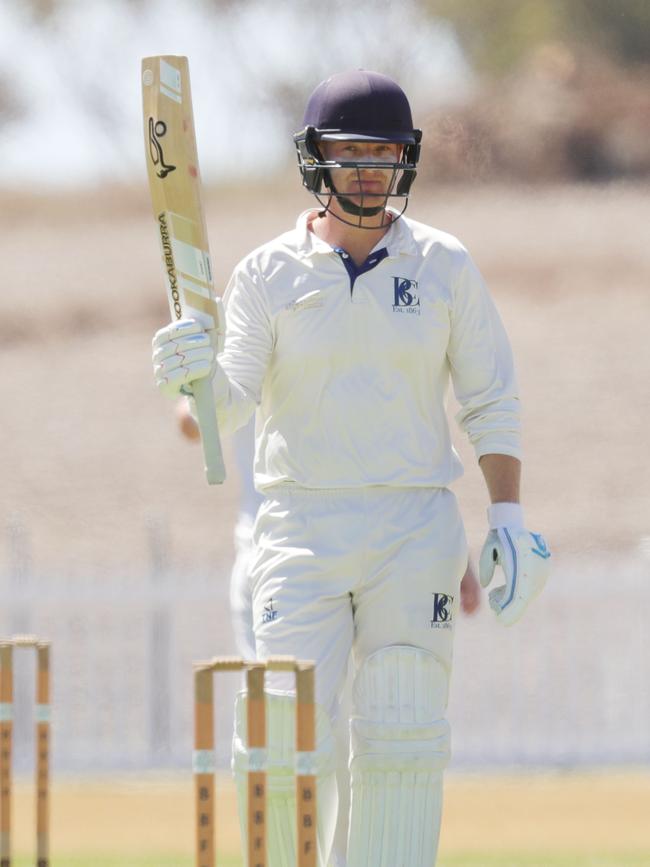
498 34
40 9
622 26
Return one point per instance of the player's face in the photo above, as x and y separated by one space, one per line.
366 183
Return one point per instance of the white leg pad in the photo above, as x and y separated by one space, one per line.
400 746
281 779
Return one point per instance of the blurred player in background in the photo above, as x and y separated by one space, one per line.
342 335
243 442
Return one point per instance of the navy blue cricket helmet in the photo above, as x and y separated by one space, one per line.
359 105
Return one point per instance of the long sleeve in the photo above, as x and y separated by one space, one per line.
482 369
249 341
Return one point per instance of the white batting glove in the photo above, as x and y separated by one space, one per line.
182 353
523 557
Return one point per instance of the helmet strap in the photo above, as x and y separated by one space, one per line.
356 210
360 213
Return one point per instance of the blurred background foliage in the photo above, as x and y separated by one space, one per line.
498 35
563 91
555 89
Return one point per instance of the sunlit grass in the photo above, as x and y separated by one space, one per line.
546 860
524 859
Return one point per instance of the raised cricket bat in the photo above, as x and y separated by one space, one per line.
175 184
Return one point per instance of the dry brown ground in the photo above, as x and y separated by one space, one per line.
582 813
89 450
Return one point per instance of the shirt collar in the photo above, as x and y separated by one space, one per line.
308 243
397 240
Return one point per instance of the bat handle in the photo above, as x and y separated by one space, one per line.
215 470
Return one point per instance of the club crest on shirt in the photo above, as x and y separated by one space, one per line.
442 611
406 298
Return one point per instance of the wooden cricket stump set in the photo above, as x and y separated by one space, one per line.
42 740
205 766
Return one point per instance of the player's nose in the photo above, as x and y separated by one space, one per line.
369 157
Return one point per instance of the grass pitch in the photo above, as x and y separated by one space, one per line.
527 860
475 860
550 820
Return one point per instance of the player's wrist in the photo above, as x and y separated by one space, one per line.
505 515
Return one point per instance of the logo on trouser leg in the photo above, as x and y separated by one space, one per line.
270 613
442 611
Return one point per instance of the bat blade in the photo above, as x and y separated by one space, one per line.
175 186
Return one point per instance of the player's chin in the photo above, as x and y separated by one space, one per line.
366 199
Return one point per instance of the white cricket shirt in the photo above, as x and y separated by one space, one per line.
350 381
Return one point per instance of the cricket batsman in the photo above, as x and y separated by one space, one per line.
342 336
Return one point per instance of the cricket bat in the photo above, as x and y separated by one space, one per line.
175 185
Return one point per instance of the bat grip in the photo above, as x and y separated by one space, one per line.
215 470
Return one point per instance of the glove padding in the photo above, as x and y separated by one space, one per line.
524 558
183 352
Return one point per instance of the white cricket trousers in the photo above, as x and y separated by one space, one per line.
363 570
355 570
